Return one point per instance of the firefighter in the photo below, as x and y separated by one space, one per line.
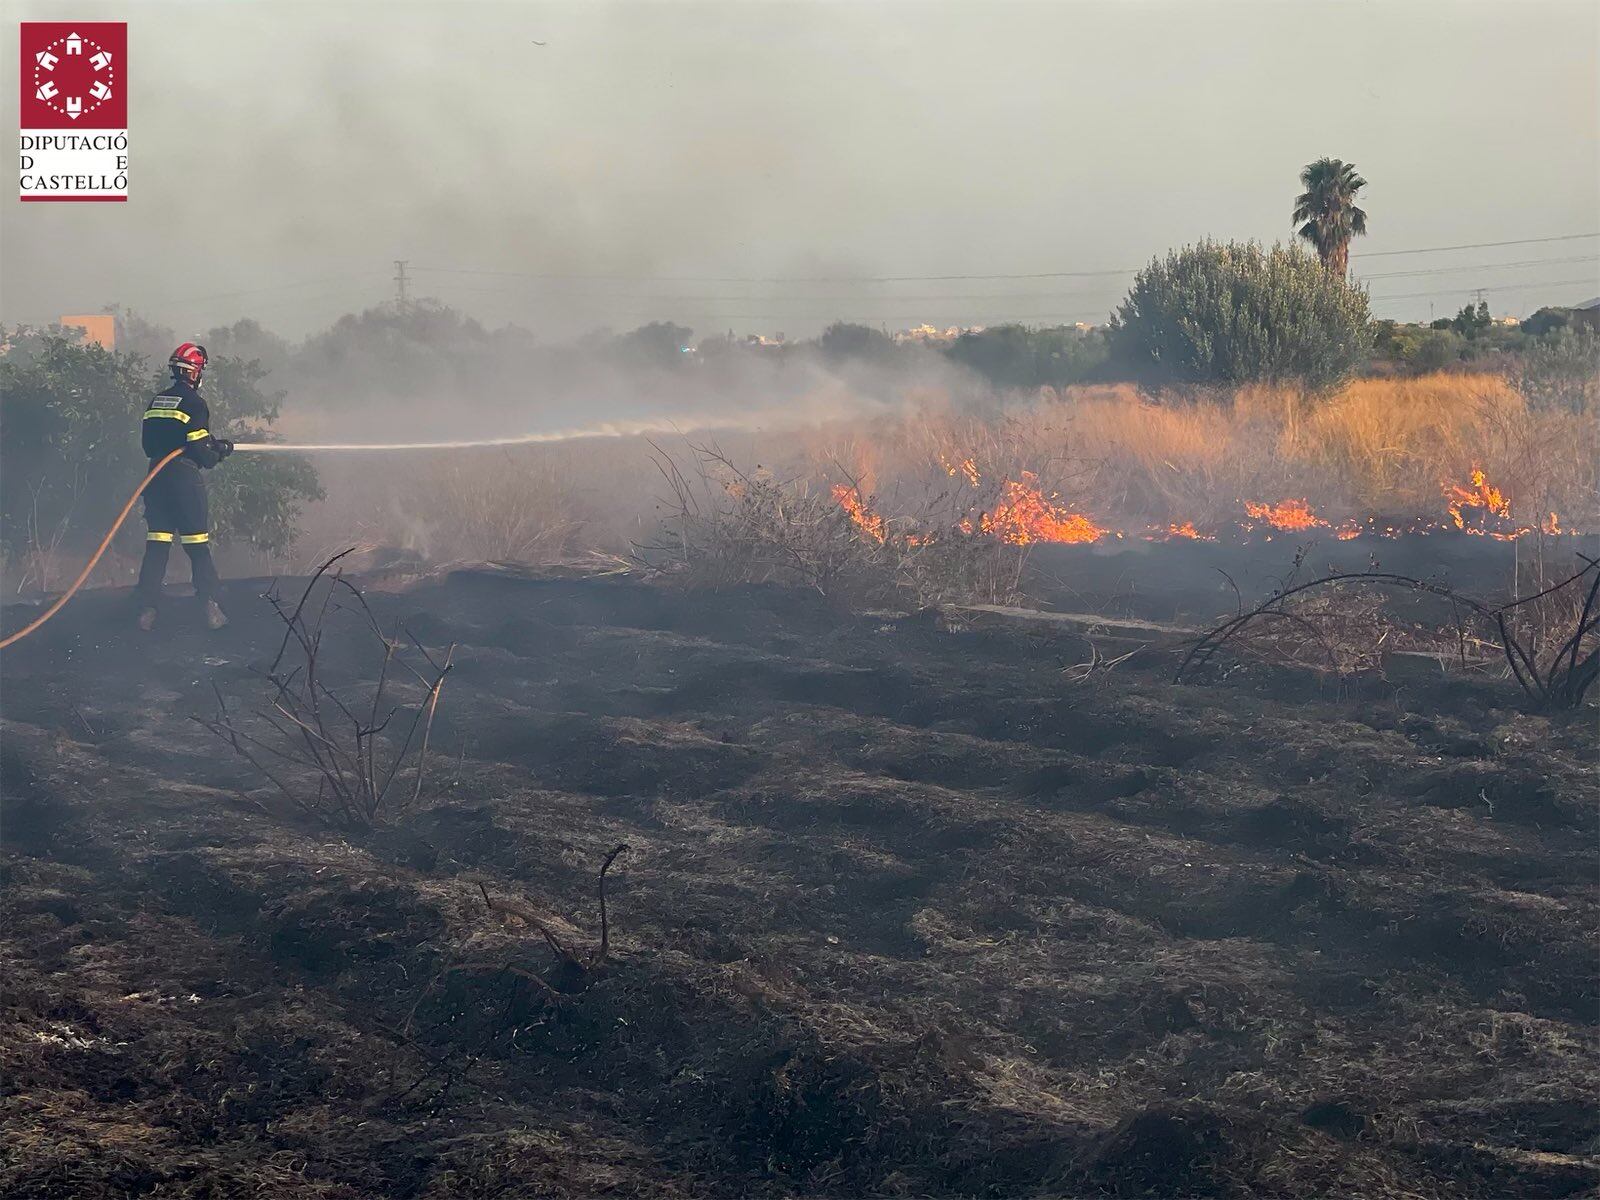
175 501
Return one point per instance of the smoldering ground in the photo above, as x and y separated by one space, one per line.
904 909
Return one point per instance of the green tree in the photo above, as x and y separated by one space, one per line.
1562 370
1326 211
1025 357
1436 349
70 454
396 352
247 339
1237 313
1547 320
1471 320
658 344
141 337
843 340
66 411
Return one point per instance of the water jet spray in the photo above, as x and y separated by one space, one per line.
608 430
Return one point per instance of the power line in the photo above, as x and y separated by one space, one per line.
403 280
1527 262
1565 237
774 278
1508 287
966 297
769 298
281 287
1107 272
188 300
1023 316
341 287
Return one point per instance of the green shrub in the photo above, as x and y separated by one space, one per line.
1025 357
1237 313
1562 370
844 340
70 453
1436 349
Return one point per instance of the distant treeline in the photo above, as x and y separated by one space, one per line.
423 347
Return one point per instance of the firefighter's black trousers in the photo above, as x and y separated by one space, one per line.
175 511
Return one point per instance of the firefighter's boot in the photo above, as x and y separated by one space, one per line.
147 620
215 617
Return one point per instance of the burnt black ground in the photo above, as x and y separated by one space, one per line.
904 912
1192 582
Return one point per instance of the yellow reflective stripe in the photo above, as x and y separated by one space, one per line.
153 536
166 412
194 539
196 434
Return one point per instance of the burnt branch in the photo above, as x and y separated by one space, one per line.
1521 627
570 974
326 735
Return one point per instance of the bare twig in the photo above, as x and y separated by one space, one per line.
1561 682
344 745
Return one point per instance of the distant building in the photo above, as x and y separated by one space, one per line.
930 333
99 329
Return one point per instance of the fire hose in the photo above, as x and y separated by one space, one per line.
105 543
624 429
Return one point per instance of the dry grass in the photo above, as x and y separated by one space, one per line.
1386 448
520 507
1380 450
1395 442
724 525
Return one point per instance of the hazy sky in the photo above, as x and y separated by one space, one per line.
282 154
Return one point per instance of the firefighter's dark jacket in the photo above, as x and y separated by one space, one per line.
178 417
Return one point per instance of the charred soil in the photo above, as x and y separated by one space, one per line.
906 910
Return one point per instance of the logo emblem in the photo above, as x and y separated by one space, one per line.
74 75
74 110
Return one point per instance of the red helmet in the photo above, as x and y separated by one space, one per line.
188 360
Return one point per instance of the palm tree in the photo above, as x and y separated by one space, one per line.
1328 208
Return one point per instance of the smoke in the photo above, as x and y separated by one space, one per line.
424 378
432 433
656 161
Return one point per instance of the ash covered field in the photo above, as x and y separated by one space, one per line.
909 906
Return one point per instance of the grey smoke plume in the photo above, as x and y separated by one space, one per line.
284 153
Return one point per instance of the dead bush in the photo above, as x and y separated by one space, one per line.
723 525
330 736
570 973
1549 640
519 508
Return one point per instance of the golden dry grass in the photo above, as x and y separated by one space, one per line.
1396 442
1378 448
1387 447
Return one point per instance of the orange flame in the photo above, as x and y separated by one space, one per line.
1482 494
1288 515
965 468
1024 515
864 519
